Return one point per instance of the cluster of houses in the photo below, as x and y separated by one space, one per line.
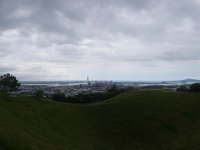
68 90
84 88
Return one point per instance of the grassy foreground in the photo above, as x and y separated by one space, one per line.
135 120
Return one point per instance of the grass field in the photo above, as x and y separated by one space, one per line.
136 120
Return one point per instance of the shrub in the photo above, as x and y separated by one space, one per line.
182 88
195 87
59 97
39 94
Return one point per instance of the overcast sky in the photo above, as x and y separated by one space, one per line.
105 39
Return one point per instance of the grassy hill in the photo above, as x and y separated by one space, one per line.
135 120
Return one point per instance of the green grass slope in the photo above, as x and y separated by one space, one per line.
135 120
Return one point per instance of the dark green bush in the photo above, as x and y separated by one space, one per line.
182 88
39 94
195 87
59 97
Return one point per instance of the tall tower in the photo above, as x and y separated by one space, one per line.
88 79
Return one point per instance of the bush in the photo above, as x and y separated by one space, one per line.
182 88
59 97
39 94
195 87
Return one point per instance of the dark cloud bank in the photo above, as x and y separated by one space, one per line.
107 39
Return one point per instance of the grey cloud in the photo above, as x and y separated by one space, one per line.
83 34
181 56
4 70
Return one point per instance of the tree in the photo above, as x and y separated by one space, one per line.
58 96
8 83
182 88
195 87
39 94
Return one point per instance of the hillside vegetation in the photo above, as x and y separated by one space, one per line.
134 120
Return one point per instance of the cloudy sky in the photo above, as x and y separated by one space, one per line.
105 39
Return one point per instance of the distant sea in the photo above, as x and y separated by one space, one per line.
52 83
84 82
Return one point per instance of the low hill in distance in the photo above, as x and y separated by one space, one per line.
136 120
185 81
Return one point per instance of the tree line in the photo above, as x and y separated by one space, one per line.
192 88
87 98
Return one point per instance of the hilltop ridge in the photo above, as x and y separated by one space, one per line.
135 120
